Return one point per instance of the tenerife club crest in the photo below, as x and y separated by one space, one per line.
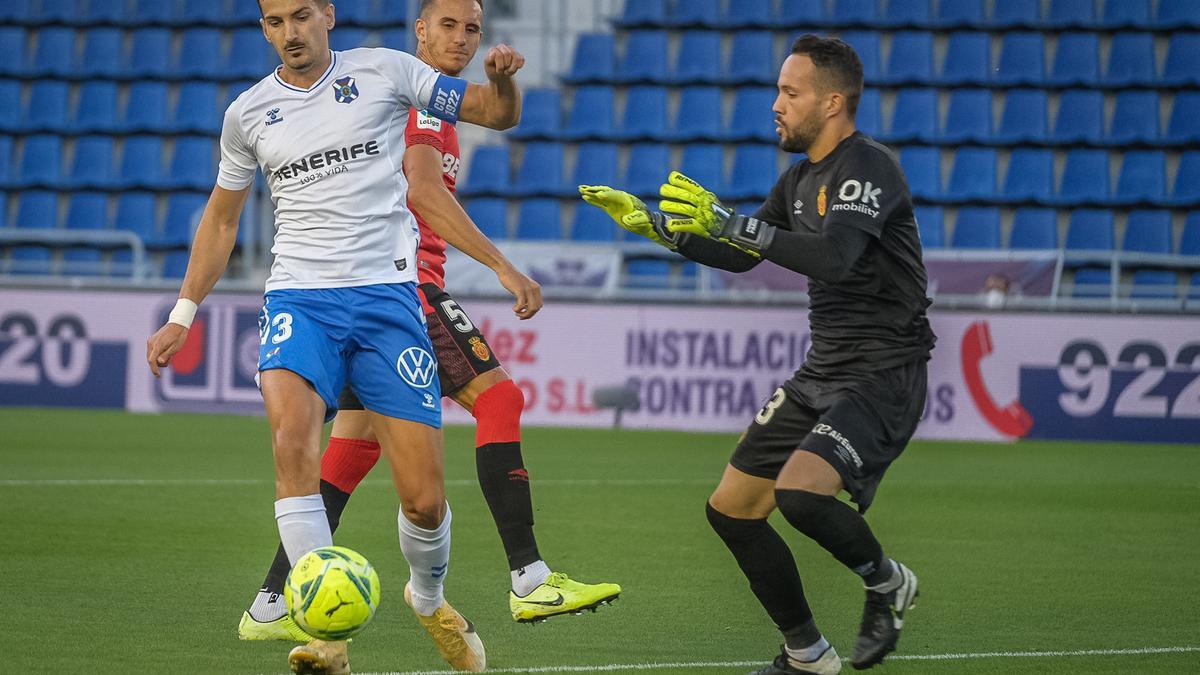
344 90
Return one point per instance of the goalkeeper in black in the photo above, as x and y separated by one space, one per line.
843 217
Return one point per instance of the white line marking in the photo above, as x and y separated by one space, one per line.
457 482
747 664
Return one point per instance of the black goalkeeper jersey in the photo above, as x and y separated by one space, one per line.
874 317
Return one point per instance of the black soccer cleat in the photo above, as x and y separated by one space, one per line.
883 617
827 663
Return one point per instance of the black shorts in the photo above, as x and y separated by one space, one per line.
461 350
858 425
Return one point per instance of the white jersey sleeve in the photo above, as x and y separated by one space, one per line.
413 78
236 171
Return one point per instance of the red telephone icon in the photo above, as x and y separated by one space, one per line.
1011 420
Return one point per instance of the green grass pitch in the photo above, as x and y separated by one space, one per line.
1031 547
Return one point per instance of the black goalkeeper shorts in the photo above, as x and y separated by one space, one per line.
859 426
461 350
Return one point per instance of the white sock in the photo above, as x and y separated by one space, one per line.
529 577
302 525
810 653
267 607
428 556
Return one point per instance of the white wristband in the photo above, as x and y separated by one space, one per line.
184 312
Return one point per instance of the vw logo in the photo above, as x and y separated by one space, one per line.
417 367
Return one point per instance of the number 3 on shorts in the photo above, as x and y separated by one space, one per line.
282 323
771 406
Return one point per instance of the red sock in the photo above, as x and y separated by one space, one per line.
497 414
347 461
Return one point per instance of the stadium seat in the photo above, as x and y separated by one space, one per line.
855 13
52 55
106 13
1187 181
1135 119
752 118
1092 282
1090 230
699 59
10 106
906 14
491 216
35 210
14 11
1030 176
647 273
870 52
1182 67
1155 285
1148 232
391 13
41 162
705 164
911 59
101 55
751 59
242 14
541 112
923 170
248 54
967 59
145 108
86 211
488 172
592 224
46 109
699 116
1022 60
141 163
973 176
1189 243
149 55
747 14
6 173
539 219
868 118
196 110
644 59
694 14
1024 117
1142 178
1125 14
1071 14
959 14
1076 60
354 12
192 164
394 38
93 164
151 12
801 13
755 169
183 212
969 117
1176 14
13 45
595 164
1016 14
174 264
137 213
207 13
643 14
977 227
1131 60
647 168
344 39
1033 229
541 171
645 116
1080 117
591 114
1084 179
915 116
594 59
931 225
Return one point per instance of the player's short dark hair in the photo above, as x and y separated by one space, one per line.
838 66
426 5
322 4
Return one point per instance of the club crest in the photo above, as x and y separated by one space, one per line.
345 90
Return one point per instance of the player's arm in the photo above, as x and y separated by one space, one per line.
497 104
428 196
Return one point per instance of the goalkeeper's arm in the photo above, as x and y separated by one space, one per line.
827 257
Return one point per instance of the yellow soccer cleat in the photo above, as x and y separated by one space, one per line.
454 636
320 658
283 628
560 595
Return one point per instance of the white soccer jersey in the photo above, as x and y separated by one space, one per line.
332 155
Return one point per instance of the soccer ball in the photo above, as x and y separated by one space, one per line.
332 593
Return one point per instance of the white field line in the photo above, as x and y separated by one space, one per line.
207 482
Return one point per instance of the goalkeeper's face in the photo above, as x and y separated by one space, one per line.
800 107
448 34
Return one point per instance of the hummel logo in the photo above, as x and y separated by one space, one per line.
548 603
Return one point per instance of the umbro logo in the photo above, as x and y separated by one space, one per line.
797 206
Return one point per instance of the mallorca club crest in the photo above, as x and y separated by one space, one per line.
344 90
821 201
480 349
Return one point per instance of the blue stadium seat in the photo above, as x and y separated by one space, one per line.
754 172
150 54
694 14
204 13
1135 119
801 13
248 56
41 161
1125 14
1187 180
1189 243
915 116
55 11
923 170
354 12
595 164
1182 67
491 216
183 212
647 168
1175 14
539 219
1155 285
1090 230
699 59
747 14
968 59
344 39
13 45
541 172
977 227
151 12
869 116
643 14
86 211
1071 14
1016 14
1085 178
705 164
594 59
645 116
100 12
907 13
1030 175
855 13
46 109
489 171
752 118
394 38
911 58
1092 282
6 165
192 164
647 273
137 212
14 11
1142 179
101 55
391 13
959 14
141 163
541 112
1076 61
145 108
1148 232
10 106
973 176
870 52
1022 59
174 264
592 224
1034 229
752 59
1080 117
1131 60
196 109
243 14
52 55
699 116
644 59
35 210
969 117
591 113
1024 117
931 225
93 164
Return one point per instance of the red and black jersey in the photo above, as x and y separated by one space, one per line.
429 130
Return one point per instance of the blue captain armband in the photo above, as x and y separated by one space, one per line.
447 98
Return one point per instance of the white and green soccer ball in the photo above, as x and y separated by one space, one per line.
332 593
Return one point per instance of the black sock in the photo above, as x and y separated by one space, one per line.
768 564
335 503
505 485
839 529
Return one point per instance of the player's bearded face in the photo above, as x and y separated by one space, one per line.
298 30
798 109
798 136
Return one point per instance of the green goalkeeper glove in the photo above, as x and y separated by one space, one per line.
704 215
630 213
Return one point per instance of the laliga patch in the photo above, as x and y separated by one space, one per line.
345 90
427 121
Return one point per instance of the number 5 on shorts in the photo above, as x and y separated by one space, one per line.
771 406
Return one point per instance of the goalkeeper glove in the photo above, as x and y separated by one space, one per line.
704 215
630 213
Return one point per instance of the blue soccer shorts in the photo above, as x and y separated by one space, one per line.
372 337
